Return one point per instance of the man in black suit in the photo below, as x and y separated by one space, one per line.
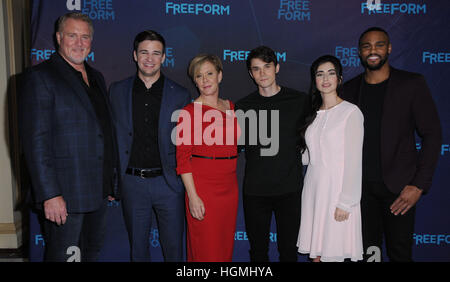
395 104
69 144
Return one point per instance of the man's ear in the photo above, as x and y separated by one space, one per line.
58 38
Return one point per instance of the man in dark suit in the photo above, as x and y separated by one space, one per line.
142 108
69 143
395 104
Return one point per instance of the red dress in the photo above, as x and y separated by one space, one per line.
203 131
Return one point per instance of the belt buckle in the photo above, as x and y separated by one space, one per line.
142 173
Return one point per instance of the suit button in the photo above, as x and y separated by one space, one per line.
126 152
131 134
100 135
100 157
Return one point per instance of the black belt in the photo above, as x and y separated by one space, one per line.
144 173
215 158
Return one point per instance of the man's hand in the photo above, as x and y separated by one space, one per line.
55 210
407 199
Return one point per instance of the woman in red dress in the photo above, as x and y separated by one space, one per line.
207 134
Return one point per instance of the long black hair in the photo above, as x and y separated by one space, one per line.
314 94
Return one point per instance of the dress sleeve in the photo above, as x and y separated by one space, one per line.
305 157
184 141
352 178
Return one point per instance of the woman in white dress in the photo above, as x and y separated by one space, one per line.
330 228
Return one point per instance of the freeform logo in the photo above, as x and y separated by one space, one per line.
433 239
349 57
95 9
241 55
435 58
445 148
39 240
183 133
170 60
294 10
393 8
242 236
38 55
154 238
197 9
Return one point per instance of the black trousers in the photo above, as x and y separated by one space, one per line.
79 239
377 220
258 216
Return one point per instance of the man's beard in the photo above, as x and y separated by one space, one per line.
377 66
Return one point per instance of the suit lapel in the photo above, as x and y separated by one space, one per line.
70 78
165 114
390 90
73 82
389 105
127 102
165 102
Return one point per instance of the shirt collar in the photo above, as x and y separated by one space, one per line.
155 86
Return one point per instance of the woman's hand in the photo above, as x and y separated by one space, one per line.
196 207
340 215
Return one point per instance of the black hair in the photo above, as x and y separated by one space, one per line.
264 53
148 35
370 29
314 94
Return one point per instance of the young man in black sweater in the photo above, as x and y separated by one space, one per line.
273 172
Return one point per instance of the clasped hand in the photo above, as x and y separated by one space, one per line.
340 215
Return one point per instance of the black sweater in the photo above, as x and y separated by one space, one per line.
280 172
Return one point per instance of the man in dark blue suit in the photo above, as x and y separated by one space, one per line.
69 143
142 108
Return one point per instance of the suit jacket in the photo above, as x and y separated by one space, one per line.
408 107
174 97
61 137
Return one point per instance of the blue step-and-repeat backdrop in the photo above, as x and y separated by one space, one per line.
299 31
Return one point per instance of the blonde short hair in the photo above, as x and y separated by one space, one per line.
198 60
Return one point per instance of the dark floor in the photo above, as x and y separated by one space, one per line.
14 255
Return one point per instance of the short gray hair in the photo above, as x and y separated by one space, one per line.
76 16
